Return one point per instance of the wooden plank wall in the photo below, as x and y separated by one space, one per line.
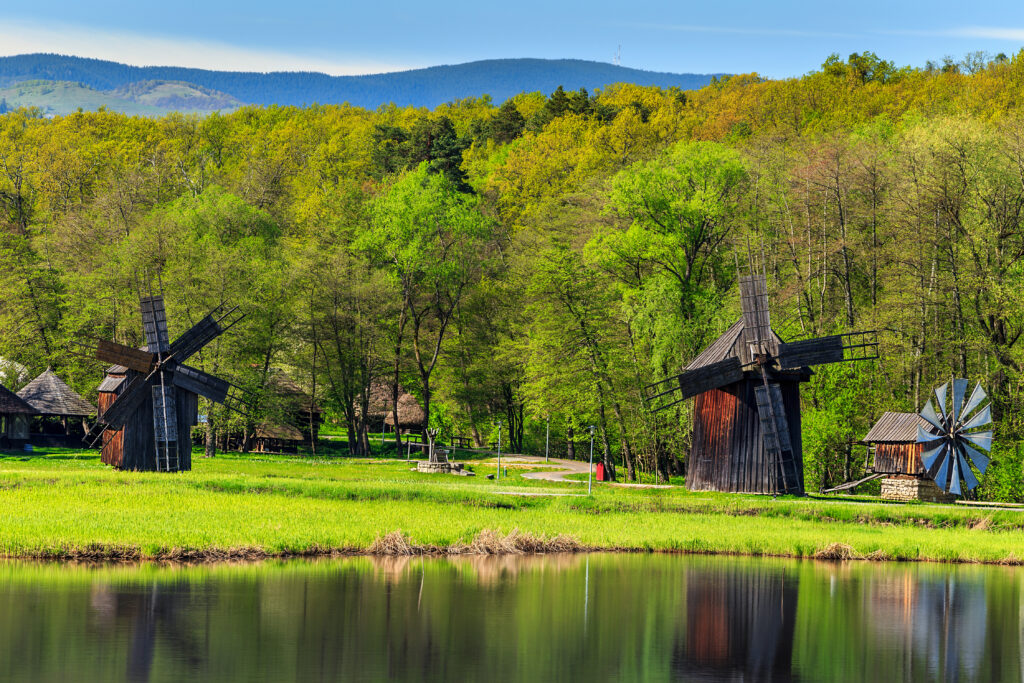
112 450
898 458
728 452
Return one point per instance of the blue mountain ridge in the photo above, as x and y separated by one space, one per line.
428 87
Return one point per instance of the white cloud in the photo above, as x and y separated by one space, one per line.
990 32
983 32
732 30
142 50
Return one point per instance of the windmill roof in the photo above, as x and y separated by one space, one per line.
730 344
49 395
896 427
110 383
11 404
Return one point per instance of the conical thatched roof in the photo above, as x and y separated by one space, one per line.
10 404
49 395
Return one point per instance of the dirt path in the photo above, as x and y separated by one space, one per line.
567 467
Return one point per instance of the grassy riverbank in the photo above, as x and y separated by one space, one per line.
67 504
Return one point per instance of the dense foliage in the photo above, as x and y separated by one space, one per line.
546 259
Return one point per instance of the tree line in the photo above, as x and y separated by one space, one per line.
540 262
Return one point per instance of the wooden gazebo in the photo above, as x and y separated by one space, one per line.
14 419
61 413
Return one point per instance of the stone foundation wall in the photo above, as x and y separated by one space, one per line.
911 488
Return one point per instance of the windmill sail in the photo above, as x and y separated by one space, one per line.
119 354
199 382
811 352
200 334
668 392
125 404
756 319
154 323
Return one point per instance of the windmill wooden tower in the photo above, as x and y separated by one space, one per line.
746 421
148 403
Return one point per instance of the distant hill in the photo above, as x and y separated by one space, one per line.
146 98
499 78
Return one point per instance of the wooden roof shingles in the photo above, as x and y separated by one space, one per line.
896 428
49 395
732 343
11 404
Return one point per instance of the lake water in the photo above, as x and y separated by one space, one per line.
546 618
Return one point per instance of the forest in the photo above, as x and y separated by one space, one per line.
541 261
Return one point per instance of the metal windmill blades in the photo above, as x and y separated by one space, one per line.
951 445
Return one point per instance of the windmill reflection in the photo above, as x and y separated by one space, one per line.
148 616
739 624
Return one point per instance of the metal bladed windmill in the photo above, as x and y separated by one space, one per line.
960 430
747 415
149 400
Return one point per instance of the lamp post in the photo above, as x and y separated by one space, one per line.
499 451
547 439
590 472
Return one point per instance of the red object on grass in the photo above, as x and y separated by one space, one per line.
600 472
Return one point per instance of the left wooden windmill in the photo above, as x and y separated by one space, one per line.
149 400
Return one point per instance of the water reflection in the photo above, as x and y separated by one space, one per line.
601 617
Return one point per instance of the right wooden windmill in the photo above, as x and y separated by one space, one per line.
746 421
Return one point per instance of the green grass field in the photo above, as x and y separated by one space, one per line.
66 504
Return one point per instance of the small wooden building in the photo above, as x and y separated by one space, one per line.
893 450
14 419
134 446
728 451
61 414
297 422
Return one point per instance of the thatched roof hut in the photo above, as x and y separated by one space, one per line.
49 395
410 412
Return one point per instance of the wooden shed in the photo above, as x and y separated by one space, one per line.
134 446
893 444
893 451
728 451
61 413
14 419
297 422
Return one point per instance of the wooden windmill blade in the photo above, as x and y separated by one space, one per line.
833 349
672 390
127 403
154 323
199 382
756 319
119 354
203 332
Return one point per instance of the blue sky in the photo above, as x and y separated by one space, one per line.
775 38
